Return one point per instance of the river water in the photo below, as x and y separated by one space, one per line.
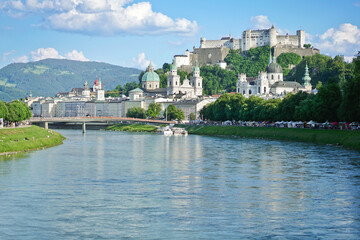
116 185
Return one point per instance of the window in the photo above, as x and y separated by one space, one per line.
272 77
198 84
176 83
249 92
259 89
264 89
149 85
243 91
279 77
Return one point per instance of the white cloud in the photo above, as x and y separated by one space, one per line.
141 61
7 54
357 4
260 22
75 55
44 53
344 40
22 59
106 17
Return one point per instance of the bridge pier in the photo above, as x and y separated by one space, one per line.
46 125
84 127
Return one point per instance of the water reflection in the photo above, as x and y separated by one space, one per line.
111 185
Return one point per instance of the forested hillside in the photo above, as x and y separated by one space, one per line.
49 76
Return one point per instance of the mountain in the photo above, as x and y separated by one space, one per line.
50 76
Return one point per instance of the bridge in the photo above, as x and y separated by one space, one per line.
85 120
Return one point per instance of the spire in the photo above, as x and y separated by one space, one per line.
306 78
274 59
270 58
150 67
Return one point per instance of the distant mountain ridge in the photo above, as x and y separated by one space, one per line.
50 76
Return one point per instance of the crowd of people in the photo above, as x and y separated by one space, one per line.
282 124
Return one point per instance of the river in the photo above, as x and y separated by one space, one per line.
117 185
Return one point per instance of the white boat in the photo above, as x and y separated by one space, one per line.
179 132
167 131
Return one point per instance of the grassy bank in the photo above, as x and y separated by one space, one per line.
27 139
348 139
133 128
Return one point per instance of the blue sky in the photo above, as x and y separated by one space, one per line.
131 33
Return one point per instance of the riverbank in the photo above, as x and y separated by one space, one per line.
133 128
13 140
347 139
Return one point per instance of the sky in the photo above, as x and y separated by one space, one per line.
131 33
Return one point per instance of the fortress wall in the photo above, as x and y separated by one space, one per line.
300 51
210 56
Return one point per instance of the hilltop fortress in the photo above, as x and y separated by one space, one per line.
212 52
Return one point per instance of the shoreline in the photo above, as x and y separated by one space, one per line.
33 138
346 139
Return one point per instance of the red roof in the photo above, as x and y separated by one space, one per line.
96 82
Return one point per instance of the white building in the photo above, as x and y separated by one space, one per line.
269 83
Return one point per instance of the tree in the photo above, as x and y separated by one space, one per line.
129 86
327 102
136 112
154 110
286 109
287 59
166 67
3 110
192 117
18 111
307 45
350 106
174 114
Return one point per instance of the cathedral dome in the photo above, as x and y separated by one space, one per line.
274 67
150 75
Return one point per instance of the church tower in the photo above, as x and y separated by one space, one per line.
196 80
173 81
307 80
100 93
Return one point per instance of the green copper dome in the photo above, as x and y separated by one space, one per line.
196 67
150 75
173 66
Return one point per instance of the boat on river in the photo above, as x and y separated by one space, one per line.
167 131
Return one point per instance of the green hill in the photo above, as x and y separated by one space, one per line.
50 76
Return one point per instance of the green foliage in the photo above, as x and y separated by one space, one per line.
174 113
216 79
327 102
166 67
115 92
350 106
307 45
18 111
154 110
192 117
249 62
287 107
129 86
3 110
136 112
50 76
163 77
133 128
322 68
285 59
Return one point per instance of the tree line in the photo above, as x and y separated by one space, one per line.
154 111
16 111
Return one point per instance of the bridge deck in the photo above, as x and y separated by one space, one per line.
97 119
